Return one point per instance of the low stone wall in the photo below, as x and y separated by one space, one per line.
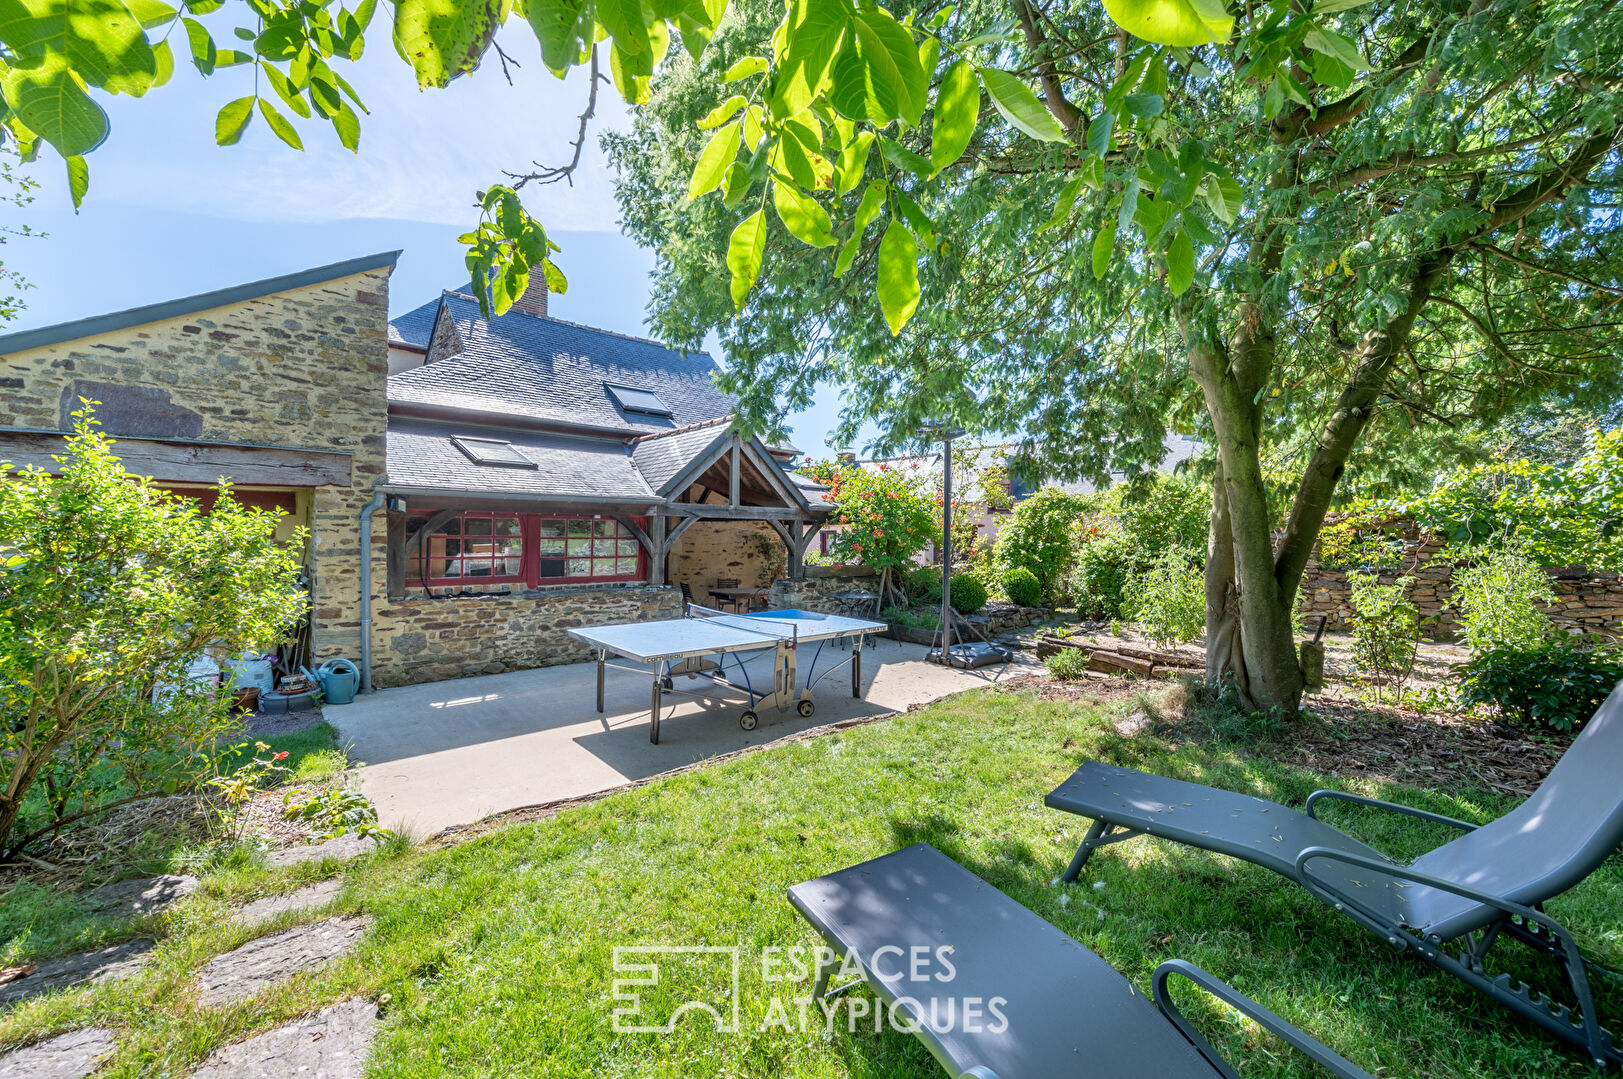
425 639
1585 603
1003 617
818 590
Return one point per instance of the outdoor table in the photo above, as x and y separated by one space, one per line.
737 596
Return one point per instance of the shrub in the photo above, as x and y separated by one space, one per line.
886 518
1159 512
1169 599
1386 629
1037 536
923 618
1098 583
924 584
1557 683
112 587
1067 665
1498 599
1022 587
968 594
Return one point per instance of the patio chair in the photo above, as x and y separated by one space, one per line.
1002 994
732 603
1450 905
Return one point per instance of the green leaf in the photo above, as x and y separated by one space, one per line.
204 54
232 120
848 253
853 162
1333 44
812 35
1144 106
150 13
1099 132
957 107
1019 105
889 45
1222 194
749 65
923 228
444 38
1129 204
1325 7
1172 22
1180 263
804 217
564 28
627 22
633 75
78 180
736 185
100 40
903 158
1104 245
809 168
348 127
723 112
279 124
52 104
165 57
1062 205
285 90
718 153
745 250
898 275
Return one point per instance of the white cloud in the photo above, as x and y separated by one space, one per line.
422 155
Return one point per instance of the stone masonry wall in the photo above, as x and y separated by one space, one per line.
713 549
302 369
817 593
425 639
1584 603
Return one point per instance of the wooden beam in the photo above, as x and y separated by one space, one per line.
632 527
415 539
193 462
395 560
676 533
733 476
730 513
659 549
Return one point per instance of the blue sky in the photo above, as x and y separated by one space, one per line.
170 214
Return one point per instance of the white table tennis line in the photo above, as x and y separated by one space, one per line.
706 640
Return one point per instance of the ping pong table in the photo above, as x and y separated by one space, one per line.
715 645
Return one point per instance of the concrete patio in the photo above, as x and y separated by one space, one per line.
449 753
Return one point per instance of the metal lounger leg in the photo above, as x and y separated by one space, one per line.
1099 835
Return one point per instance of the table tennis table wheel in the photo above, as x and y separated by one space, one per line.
748 721
667 683
805 708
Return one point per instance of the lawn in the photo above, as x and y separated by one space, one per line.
494 957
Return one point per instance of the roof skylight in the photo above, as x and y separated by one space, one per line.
635 400
490 451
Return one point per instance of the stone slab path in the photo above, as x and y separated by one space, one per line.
147 895
314 895
332 1044
67 1056
104 965
342 849
240 974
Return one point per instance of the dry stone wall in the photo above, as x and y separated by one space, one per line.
425 639
1585 603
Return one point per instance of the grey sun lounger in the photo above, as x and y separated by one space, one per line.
1450 905
1064 1012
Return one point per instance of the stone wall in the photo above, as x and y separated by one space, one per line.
1584 603
818 590
301 369
425 639
709 550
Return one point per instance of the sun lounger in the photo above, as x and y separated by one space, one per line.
996 992
1451 905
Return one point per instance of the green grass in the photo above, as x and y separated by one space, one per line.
495 957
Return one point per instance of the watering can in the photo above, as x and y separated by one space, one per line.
339 680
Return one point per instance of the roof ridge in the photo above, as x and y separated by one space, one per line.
583 326
682 430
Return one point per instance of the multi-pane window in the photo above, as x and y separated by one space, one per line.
527 549
586 549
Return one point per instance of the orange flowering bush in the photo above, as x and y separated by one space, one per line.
885 517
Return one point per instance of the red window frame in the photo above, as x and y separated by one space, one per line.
554 549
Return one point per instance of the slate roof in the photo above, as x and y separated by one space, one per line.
421 454
413 328
660 457
539 368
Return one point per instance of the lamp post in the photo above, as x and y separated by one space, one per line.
946 432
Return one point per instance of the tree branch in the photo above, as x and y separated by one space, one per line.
1483 245
1069 116
551 174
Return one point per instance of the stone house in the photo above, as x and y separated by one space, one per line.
513 478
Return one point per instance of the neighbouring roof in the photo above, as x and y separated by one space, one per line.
544 369
421 454
660 457
415 327
187 305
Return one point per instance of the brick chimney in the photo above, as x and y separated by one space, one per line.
534 300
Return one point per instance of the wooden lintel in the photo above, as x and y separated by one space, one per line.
193 462
730 513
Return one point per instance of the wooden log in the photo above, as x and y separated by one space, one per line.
1112 661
